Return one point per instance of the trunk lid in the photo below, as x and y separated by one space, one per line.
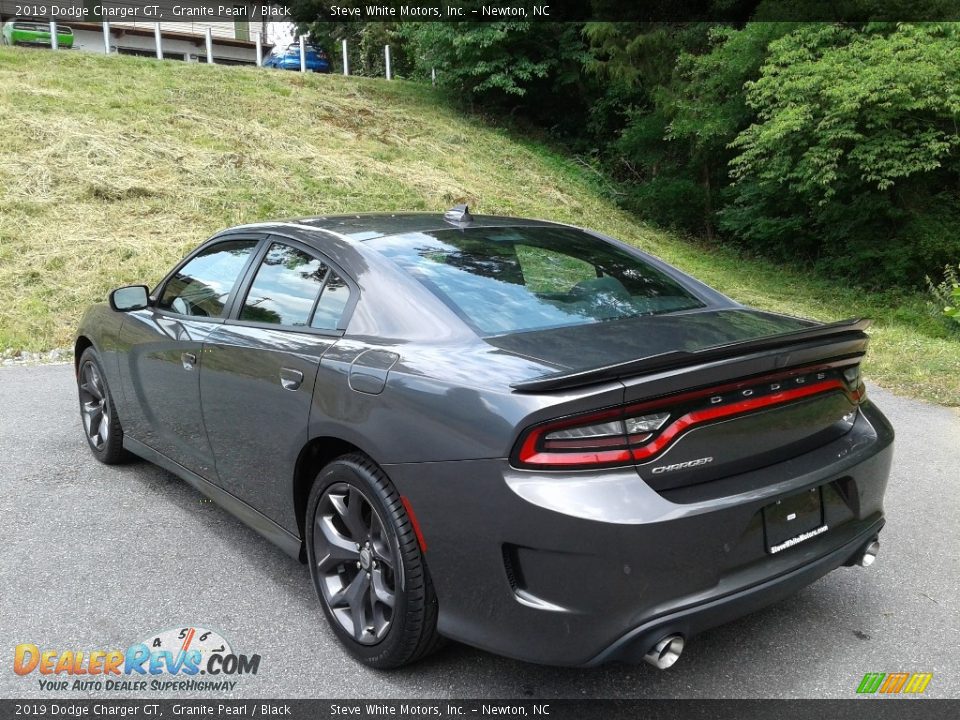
729 395
598 345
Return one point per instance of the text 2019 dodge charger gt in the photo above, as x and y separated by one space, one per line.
518 434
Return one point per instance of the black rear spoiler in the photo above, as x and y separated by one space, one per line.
852 329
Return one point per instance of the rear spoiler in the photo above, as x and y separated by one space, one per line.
852 329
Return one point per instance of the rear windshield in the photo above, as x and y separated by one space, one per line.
517 279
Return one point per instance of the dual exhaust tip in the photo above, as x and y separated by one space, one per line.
666 652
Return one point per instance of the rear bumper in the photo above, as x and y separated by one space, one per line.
578 568
695 619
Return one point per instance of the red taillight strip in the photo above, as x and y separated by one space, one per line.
604 457
698 417
530 456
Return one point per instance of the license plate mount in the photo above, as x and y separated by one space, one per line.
793 519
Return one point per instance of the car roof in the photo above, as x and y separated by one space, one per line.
367 226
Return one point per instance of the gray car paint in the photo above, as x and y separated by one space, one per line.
408 383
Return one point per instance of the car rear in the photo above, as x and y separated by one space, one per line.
315 59
681 460
30 32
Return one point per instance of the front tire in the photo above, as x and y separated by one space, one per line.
97 412
367 566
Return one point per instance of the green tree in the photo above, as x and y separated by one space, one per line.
853 157
515 65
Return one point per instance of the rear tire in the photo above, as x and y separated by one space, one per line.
97 412
367 566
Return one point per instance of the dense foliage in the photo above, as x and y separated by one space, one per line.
946 295
832 145
853 154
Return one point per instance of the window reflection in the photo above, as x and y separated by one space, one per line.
201 287
285 287
515 279
332 303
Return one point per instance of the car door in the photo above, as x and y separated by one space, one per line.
163 344
259 370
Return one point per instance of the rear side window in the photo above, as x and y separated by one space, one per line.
285 287
332 303
202 286
518 279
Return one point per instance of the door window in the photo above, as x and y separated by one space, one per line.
202 287
285 288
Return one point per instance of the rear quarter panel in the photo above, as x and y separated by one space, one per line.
439 403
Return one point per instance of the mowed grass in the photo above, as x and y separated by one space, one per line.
112 168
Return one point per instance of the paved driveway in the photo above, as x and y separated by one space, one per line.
97 557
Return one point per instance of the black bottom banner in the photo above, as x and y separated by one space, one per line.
855 709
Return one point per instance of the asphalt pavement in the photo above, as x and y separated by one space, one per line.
95 557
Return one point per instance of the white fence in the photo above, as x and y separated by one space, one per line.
209 35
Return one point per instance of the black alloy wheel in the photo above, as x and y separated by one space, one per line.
367 565
97 411
357 566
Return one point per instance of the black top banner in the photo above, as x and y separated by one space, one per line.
730 11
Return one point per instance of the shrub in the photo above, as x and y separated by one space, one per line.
946 295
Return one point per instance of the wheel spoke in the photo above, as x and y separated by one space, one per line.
335 548
349 508
354 598
381 620
379 542
354 517
359 603
379 592
93 422
104 431
92 381
92 411
346 596
90 390
95 381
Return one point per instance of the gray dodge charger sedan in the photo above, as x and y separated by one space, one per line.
517 434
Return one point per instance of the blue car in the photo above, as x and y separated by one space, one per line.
288 58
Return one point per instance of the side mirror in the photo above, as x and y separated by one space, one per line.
127 299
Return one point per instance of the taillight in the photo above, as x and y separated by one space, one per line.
597 440
624 435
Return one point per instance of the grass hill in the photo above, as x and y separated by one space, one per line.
111 168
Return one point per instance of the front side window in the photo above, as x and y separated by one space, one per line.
285 287
516 279
202 286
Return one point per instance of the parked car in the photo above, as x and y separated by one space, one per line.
32 32
518 434
288 58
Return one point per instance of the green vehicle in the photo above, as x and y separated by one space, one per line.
32 32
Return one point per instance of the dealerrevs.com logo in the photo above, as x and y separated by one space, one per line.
182 659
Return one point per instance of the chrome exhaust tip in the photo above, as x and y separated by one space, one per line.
666 652
869 554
